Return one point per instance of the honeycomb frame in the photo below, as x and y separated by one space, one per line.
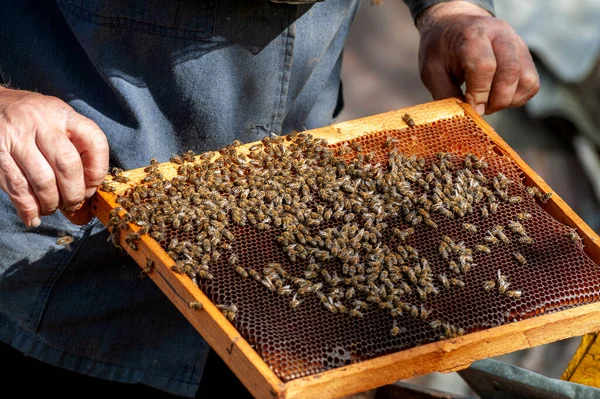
344 378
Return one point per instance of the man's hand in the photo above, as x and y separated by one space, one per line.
51 157
461 42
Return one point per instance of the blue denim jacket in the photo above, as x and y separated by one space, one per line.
159 77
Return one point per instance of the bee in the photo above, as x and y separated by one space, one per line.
457 282
255 275
502 283
482 248
494 207
431 223
444 280
424 313
395 329
490 239
516 199
294 303
241 271
414 311
65 240
489 285
519 258
498 231
435 324
526 240
533 191
484 212
574 237
356 313
176 159
106 187
121 179
195 305
408 120
545 197
513 294
404 234
230 311
517 228
471 228
523 216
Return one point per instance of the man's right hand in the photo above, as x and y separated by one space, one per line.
51 157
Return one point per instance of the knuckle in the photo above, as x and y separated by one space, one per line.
68 163
43 183
485 66
530 83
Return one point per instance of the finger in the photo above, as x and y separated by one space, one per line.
40 176
92 146
507 74
66 164
14 183
81 216
439 82
529 79
479 63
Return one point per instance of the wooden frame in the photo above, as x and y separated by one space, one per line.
445 356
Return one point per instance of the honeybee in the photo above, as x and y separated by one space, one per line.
435 324
121 179
574 237
484 212
471 228
424 313
490 239
498 231
519 258
294 303
513 294
395 329
457 282
489 285
526 240
482 248
241 271
502 283
195 305
515 199
65 240
444 280
533 191
408 120
517 228
356 313
523 216
404 234
431 223
546 197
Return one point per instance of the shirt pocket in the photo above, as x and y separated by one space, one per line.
187 19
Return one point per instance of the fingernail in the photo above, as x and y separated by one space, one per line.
35 222
480 108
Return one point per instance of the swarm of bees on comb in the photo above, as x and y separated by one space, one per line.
330 210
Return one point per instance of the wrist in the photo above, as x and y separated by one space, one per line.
447 9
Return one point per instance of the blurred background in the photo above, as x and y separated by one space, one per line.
556 133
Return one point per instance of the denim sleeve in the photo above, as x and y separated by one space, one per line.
418 6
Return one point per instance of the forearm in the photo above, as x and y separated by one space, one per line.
418 6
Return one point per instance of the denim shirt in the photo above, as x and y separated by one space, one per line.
159 77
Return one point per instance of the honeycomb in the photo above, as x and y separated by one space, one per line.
307 305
